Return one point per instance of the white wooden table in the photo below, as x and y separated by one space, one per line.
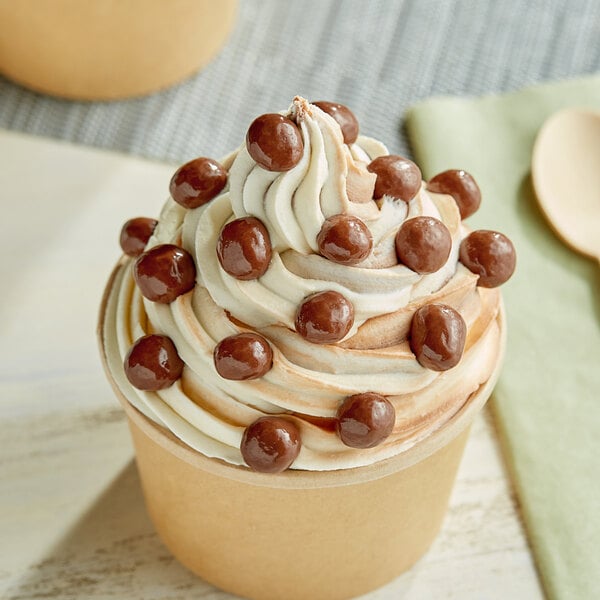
72 518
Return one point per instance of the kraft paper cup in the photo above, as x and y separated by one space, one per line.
108 49
300 535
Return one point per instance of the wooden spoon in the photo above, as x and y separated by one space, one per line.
566 177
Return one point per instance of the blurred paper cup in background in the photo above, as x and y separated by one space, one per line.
109 49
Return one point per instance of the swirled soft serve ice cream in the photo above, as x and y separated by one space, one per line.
302 266
307 303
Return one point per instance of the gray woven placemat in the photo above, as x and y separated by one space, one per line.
377 56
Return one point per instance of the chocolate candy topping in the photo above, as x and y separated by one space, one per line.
490 255
274 142
324 317
135 235
197 182
365 420
164 272
423 244
270 444
345 119
243 356
396 176
345 239
244 248
437 336
461 186
152 363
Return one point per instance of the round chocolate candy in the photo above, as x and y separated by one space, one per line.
135 235
152 363
437 336
461 186
270 444
490 255
396 176
324 318
274 142
197 182
423 244
343 116
345 239
243 356
164 272
365 420
244 248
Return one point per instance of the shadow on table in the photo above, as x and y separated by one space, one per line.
112 551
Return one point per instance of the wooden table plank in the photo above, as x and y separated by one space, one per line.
73 523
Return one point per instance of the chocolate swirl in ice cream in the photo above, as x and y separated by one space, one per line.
266 246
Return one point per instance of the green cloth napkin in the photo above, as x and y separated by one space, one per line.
547 402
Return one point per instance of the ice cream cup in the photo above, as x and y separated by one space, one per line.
300 534
107 49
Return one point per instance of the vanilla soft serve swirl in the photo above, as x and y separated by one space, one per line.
307 381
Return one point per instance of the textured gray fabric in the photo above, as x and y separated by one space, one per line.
377 56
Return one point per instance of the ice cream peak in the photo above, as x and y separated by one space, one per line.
304 301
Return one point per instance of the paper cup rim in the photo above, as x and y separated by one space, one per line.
303 479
